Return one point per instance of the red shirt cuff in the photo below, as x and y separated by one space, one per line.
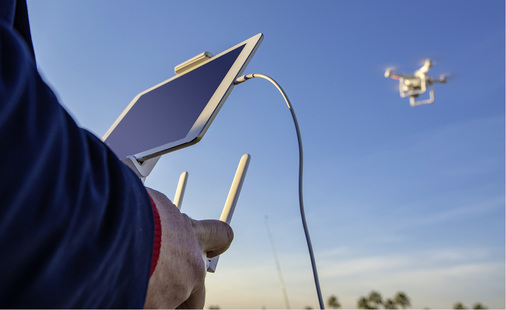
158 237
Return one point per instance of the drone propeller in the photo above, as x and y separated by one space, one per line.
426 65
389 73
443 78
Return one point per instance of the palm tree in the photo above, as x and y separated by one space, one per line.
458 305
363 303
390 304
478 306
375 299
333 302
402 300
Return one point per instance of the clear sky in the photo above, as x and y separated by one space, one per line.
397 198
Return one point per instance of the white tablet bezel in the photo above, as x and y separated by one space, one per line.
211 109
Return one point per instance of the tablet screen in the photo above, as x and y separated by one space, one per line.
166 113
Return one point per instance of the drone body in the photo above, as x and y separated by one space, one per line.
414 85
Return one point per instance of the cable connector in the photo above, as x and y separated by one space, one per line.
244 78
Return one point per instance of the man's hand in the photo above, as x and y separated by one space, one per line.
178 280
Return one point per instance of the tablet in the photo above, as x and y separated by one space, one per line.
177 112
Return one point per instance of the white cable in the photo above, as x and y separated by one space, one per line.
244 78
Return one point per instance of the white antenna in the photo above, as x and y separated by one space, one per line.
233 197
181 186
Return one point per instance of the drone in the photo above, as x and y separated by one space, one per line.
415 85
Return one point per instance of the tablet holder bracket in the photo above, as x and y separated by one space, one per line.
193 63
142 169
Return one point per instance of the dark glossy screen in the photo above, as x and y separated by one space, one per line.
166 114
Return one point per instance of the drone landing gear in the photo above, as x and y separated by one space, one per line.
414 103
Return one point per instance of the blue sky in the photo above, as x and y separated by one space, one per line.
397 198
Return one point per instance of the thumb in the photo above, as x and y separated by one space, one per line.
214 236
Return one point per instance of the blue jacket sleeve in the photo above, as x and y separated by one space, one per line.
76 225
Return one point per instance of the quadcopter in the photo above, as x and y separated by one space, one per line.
415 85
